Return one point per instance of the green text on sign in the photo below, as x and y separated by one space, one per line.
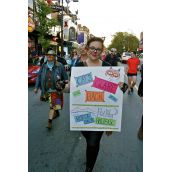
105 121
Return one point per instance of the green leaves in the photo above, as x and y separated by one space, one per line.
124 40
45 24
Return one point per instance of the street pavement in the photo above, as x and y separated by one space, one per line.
62 150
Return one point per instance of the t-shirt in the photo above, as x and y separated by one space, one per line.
132 65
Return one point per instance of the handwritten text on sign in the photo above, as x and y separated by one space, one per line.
105 85
83 79
94 96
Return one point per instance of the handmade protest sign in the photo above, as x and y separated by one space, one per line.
96 99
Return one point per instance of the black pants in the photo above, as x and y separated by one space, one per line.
140 89
93 142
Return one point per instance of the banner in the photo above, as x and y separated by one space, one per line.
96 99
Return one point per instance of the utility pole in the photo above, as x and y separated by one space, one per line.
62 31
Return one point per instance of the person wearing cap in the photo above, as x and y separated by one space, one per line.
112 58
51 80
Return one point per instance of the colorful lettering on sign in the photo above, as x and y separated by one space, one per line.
89 120
106 113
105 85
112 98
94 96
86 118
113 73
83 79
76 93
105 121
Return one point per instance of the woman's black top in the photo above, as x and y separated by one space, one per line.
84 64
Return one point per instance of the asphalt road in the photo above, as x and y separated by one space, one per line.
62 150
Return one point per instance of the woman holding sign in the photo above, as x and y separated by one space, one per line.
94 50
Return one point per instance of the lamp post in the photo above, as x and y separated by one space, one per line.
62 31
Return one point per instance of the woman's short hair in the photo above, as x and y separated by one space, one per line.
93 39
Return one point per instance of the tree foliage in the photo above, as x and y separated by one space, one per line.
124 41
45 24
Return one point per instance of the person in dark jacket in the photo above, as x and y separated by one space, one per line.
140 93
112 58
51 79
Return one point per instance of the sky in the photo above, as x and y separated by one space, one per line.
105 18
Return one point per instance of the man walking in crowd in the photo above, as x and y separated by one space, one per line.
112 58
51 80
131 70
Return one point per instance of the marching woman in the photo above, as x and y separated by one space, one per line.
94 50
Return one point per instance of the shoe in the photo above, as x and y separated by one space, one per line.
88 169
42 99
140 133
49 126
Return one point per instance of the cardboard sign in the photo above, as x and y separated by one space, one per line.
96 99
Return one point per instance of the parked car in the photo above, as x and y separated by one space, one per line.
33 70
125 56
140 56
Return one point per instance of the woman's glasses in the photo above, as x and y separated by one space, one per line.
93 49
